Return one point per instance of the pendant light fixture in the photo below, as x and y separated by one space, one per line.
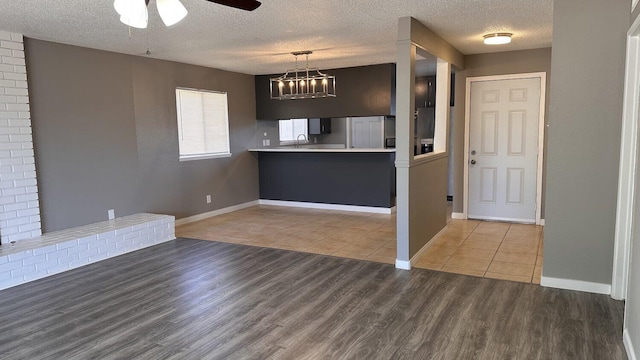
307 83
135 13
497 38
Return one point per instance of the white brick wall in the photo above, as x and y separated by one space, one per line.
19 206
64 250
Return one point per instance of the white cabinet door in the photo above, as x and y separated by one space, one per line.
503 149
367 132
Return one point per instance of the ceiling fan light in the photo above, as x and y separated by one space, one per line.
121 6
171 11
139 22
497 38
132 12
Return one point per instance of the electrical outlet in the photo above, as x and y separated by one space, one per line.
208 199
111 214
267 142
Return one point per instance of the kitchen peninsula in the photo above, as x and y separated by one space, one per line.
339 176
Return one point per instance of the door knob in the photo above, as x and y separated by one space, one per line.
473 162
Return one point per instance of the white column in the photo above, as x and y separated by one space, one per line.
405 103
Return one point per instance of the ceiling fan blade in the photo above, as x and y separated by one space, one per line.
248 5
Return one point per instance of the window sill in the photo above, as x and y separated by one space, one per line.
204 157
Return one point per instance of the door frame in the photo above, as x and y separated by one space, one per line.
628 166
467 114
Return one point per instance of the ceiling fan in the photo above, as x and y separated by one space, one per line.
135 14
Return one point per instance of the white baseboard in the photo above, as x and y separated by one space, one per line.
424 248
458 216
406 265
577 285
403 264
213 213
628 345
541 222
510 220
321 206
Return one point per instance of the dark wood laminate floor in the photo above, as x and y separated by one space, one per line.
193 299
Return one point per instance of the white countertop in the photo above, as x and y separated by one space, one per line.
323 150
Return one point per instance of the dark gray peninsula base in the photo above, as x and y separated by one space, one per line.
347 177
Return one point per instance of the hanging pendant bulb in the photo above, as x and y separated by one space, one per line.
132 12
171 11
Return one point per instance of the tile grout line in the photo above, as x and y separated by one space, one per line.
496 252
459 245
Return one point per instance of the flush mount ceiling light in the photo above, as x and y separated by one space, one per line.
497 38
307 83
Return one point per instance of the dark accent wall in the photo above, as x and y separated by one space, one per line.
360 91
502 63
346 178
106 137
588 62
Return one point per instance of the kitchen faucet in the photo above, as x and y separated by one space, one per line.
298 140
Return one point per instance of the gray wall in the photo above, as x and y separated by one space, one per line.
106 137
338 133
270 128
584 138
502 63
427 203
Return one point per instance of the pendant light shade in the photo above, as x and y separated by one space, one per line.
171 11
132 12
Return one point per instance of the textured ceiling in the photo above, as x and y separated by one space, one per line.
341 33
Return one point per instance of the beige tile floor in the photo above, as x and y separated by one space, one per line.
345 234
489 249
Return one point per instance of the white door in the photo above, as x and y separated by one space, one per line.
503 149
367 132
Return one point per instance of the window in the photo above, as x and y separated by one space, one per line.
291 129
203 124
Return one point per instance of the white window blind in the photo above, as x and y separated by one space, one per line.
292 128
203 124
